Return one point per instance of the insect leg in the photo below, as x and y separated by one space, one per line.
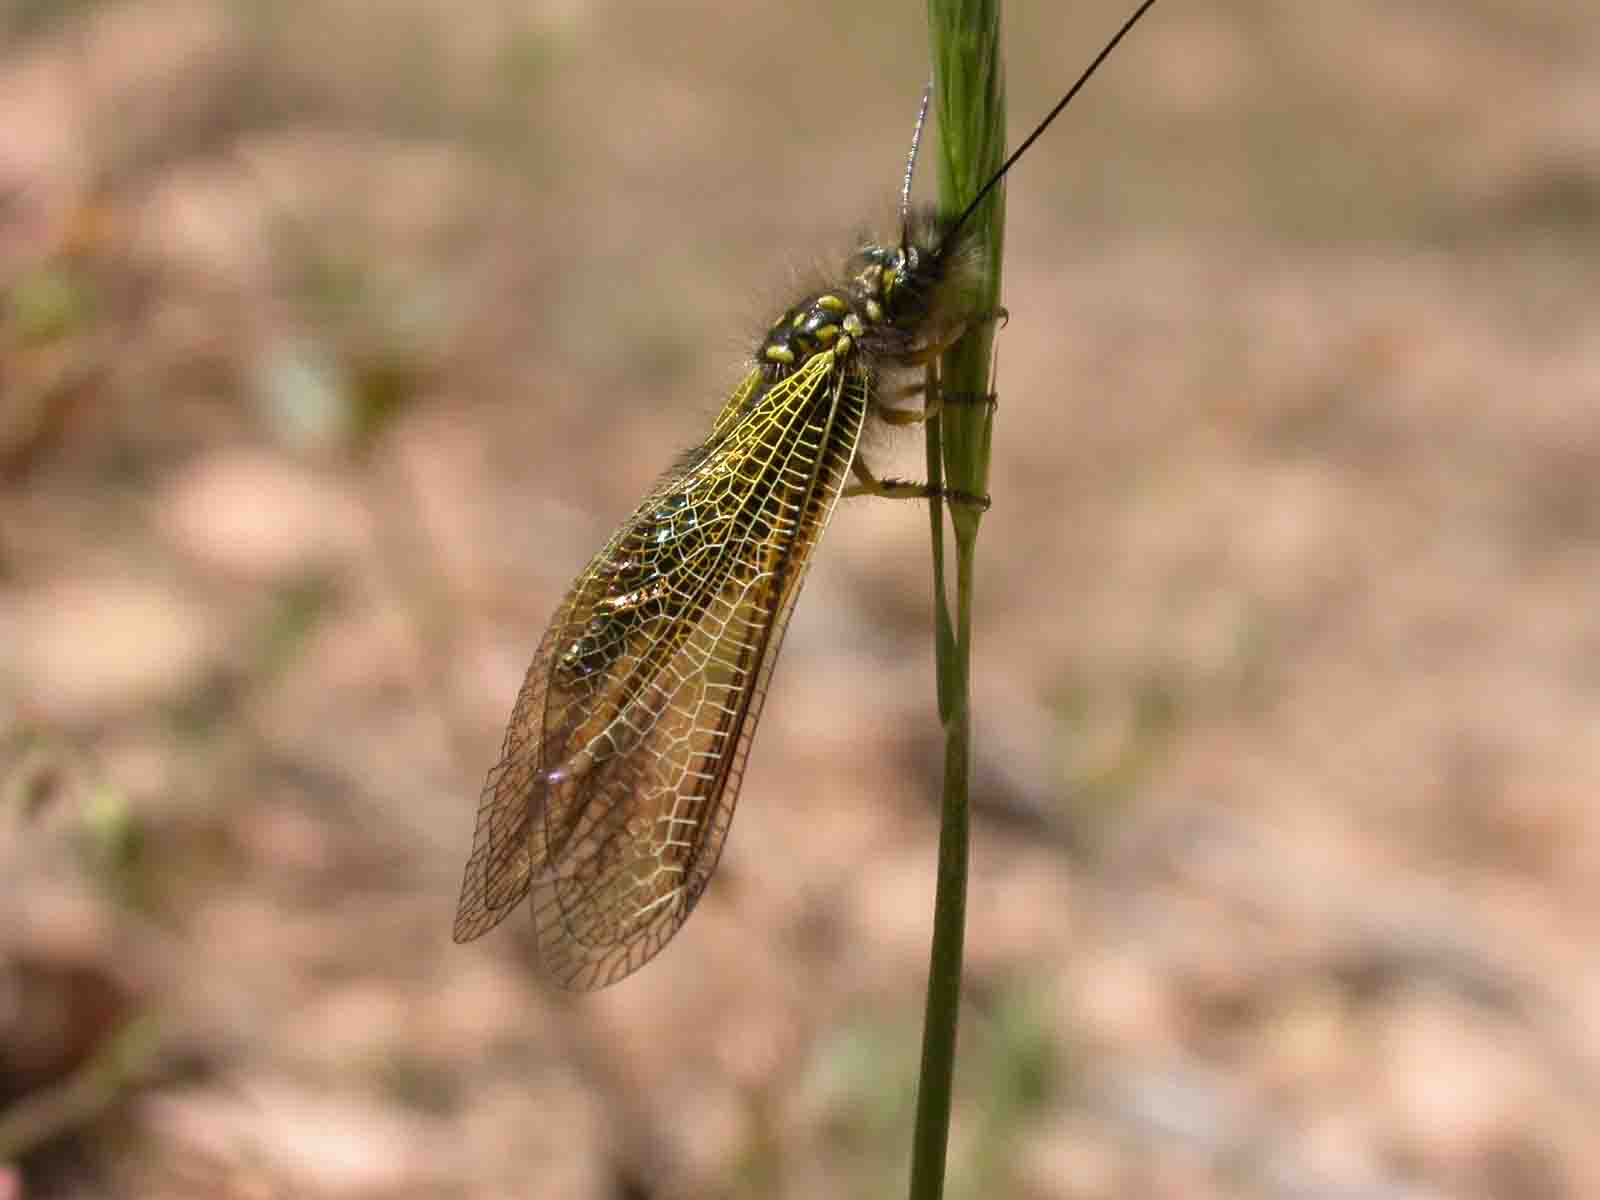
921 356
989 400
903 416
916 416
869 484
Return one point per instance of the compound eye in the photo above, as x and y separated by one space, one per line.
895 272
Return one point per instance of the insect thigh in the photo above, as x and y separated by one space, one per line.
622 762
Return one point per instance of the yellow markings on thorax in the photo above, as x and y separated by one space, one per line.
811 327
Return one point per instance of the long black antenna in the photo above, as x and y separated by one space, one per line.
1088 73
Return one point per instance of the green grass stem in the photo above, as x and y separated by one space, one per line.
969 100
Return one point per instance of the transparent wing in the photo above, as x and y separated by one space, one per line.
624 754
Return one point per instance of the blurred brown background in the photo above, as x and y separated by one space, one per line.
335 338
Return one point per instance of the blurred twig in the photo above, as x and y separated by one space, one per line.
125 1060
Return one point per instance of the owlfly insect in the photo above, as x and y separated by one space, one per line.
623 758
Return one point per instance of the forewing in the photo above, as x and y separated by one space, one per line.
623 759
